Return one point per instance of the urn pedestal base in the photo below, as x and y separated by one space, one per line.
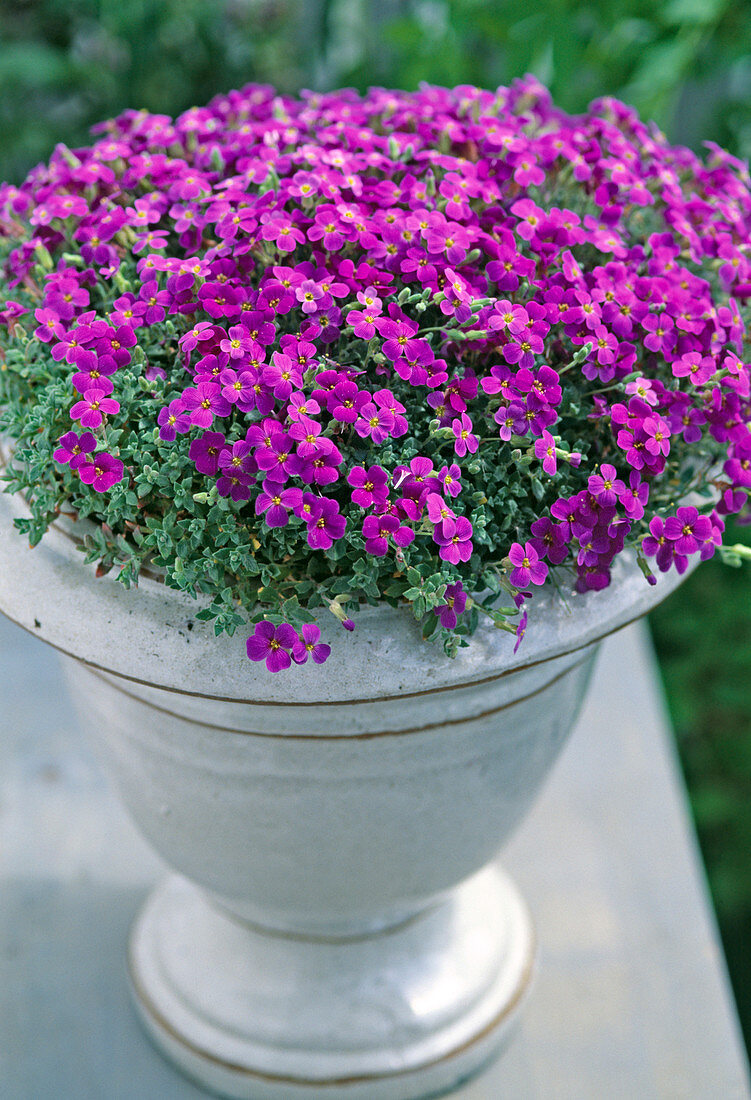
407 1012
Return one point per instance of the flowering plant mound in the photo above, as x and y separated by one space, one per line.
430 347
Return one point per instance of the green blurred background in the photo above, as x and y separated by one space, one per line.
66 64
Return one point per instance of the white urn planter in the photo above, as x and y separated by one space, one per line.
337 927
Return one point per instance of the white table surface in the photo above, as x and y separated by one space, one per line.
631 999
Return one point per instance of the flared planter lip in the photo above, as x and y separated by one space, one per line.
149 635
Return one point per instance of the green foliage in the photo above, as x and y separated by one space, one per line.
66 64
684 63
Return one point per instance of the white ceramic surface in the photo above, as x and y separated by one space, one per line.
343 931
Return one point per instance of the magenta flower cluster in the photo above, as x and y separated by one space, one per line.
377 306
279 646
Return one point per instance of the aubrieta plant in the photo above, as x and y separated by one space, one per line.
435 348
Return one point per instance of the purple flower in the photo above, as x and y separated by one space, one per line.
305 431
605 345
523 348
455 602
549 540
234 484
660 336
278 503
465 440
94 407
238 458
528 173
325 523
644 388
449 477
370 487
346 400
657 432
203 402
66 297
283 233
205 452
657 544
309 294
282 376
308 645
321 469
238 344
173 419
399 338
545 450
528 567
101 472
685 418
696 367
152 302
386 402
272 645
377 530
219 299
454 537
92 373
276 455
112 346
299 407
687 530
634 499
72 448
363 322
606 486
374 422
738 466
50 326
201 332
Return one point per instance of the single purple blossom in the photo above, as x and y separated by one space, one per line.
545 450
325 523
173 419
272 645
455 601
377 530
606 486
454 537
205 452
101 472
369 487
309 645
687 530
465 440
277 503
72 448
203 402
94 407
528 567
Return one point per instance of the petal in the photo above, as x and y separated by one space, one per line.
277 660
286 635
257 648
